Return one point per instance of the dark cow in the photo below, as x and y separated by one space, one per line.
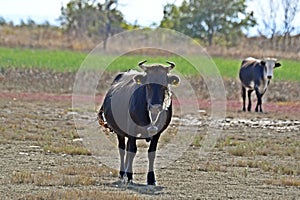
138 106
255 75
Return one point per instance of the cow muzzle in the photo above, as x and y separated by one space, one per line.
154 112
269 77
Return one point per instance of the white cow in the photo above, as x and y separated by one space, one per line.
255 75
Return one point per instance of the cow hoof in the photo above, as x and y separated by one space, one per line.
121 174
151 178
153 183
130 182
127 181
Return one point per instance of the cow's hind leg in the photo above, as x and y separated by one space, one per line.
249 100
244 97
151 157
121 141
131 149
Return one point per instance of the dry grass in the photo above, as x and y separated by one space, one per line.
68 176
197 142
168 135
142 144
41 127
238 146
267 166
54 38
71 194
251 153
66 149
288 181
41 37
266 148
51 179
213 167
228 141
89 171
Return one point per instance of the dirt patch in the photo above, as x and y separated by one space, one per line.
256 156
48 81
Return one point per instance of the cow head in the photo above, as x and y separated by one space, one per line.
157 81
269 64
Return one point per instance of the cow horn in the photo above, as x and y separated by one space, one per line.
172 65
141 64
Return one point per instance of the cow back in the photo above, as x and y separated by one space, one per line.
251 73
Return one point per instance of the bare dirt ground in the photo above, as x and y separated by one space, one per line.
256 156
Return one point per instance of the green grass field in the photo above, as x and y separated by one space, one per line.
60 60
56 60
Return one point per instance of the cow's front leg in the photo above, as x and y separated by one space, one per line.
151 157
249 100
121 141
259 100
131 149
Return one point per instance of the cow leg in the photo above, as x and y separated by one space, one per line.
131 149
121 141
244 97
249 100
259 101
151 157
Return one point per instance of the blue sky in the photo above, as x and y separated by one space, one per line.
144 12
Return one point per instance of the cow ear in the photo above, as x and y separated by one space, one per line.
139 79
173 80
263 62
277 64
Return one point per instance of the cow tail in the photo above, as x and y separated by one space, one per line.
102 121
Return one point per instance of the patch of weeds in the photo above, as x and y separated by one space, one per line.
71 194
89 171
288 181
77 180
285 170
197 141
167 136
142 144
266 166
51 179
67 149
248 163
284 147
22 177
36 137
213 167
265 147
244 149
227 142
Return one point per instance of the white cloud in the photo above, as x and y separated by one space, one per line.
37 10
145 12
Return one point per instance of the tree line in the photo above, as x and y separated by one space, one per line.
220 22
207 21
